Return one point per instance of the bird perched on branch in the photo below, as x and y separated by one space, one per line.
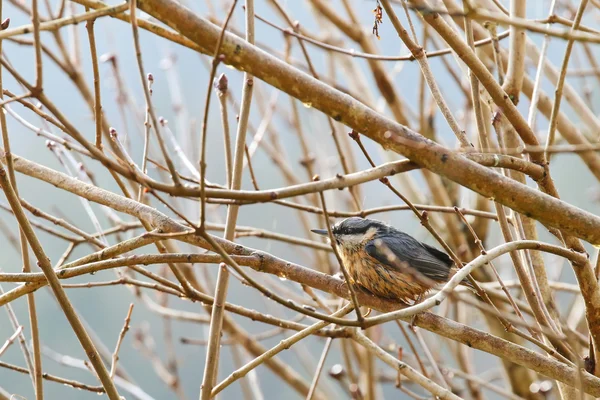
387 262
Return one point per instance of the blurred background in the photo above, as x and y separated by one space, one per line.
179 89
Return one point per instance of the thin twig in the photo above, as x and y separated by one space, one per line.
148 97
563 74
332 242
211 364
11 339
115 356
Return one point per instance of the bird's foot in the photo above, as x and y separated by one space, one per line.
412 324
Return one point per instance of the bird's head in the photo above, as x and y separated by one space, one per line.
354 232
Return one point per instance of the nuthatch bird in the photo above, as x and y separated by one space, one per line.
387 262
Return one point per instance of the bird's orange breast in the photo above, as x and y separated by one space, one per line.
381 280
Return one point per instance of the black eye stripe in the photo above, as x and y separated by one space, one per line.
345 230
356 226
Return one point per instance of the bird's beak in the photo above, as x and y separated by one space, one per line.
322 232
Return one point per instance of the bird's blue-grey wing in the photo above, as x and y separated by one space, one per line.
427 260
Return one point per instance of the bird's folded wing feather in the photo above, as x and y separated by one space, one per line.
425 259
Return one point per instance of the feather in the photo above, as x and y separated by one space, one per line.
429 261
